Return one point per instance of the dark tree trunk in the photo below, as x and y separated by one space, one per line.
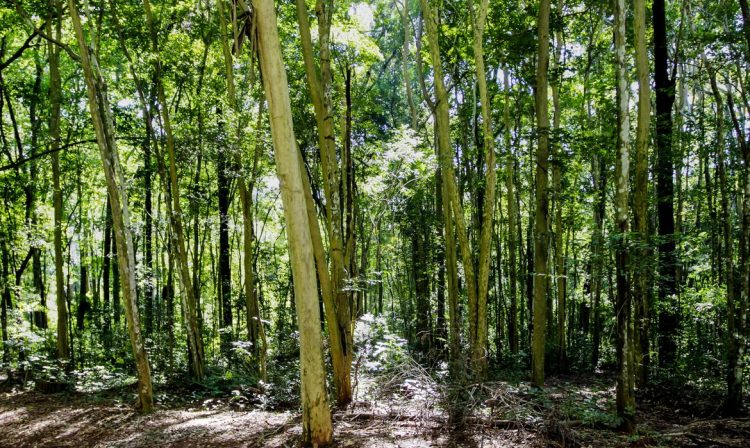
225 272
665 95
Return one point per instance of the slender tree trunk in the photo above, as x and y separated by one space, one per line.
512 247
734 375
319 84
102 119
106 270
560 278
744 254
31 189
479 345
664 171
316 417
640 199
5 299
174 210
625 395
255 330
55 92
225 257
542 206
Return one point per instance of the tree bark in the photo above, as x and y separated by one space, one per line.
319 84
625 395
174 210
116 189
557 165
542 206
479 345
664 171
512 238
316 417
733 400
640 200
255 330
55 92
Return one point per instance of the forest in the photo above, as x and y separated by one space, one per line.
382 223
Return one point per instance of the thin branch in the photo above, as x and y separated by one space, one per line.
62 147
73 55
20 51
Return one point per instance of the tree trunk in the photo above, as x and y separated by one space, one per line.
255 330
106 270
479 345
117 192
640 200
734 375
174 210
55 92
542 206
512 239
560 278
225 258
625 395
5 299
319 84
316 417
148 290
665 95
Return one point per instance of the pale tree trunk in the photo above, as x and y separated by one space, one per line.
189 303
55 92
560 278
117 192
319 84
640 197
512 247
316 417
625 396
542 206
479 345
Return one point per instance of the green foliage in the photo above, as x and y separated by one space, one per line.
380 350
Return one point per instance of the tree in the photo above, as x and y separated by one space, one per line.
174 209
542 206
63 348
316 417
640 197
319 84
664 171
101 116
625 379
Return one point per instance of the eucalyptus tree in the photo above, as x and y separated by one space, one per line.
63 345
101 116
319 80
316 416
624 351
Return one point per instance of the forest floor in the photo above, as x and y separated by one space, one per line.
402 410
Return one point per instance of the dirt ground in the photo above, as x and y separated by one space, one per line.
410 416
